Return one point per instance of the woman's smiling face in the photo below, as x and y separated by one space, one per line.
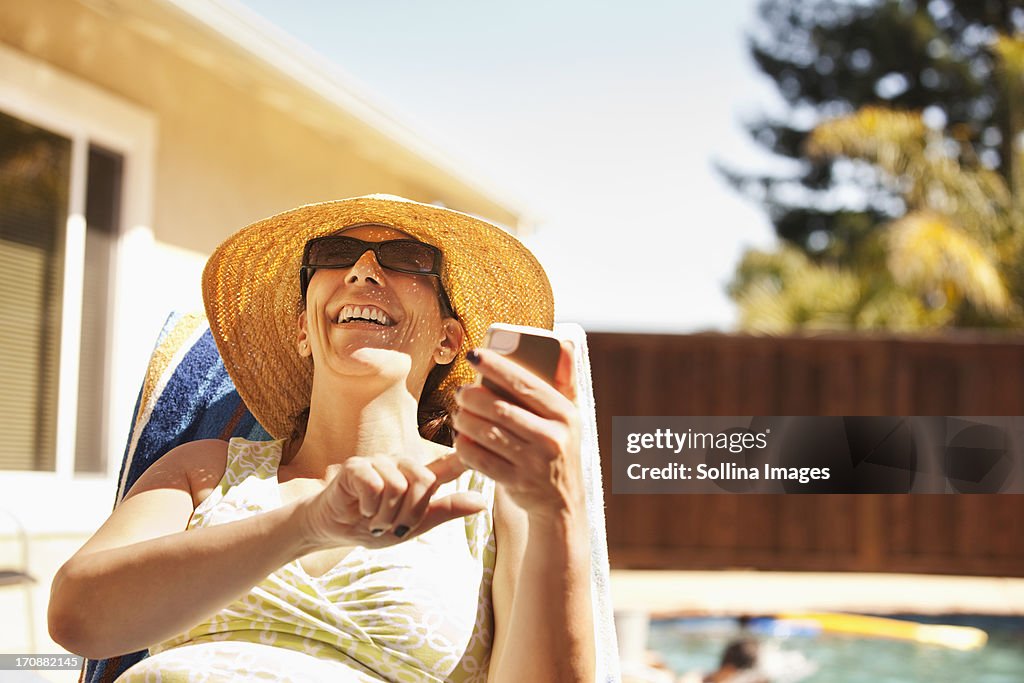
369 320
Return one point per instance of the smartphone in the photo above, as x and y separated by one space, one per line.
536 349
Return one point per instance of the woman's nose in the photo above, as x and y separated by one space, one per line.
366 268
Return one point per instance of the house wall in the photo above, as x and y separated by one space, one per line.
227 151
23 628
233 142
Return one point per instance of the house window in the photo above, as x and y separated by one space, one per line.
102 227
76 246
36 177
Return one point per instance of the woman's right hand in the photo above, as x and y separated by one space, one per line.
377 502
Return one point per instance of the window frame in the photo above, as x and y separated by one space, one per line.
44 96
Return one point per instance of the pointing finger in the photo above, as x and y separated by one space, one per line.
451 507
447 468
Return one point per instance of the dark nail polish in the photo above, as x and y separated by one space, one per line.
473 357
401 530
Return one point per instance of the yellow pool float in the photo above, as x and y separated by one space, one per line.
957 637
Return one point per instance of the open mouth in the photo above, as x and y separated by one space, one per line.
363 314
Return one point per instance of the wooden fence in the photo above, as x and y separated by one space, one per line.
713 374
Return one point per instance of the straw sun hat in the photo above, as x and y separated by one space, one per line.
252 297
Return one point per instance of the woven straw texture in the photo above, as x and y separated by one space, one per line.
252 298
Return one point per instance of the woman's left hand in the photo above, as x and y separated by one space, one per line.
532 449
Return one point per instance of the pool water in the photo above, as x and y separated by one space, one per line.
697 644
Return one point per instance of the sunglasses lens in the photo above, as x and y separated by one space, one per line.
343 252
336 251
408 256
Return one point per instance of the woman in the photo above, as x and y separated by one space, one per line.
353 547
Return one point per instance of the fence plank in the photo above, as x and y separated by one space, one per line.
716 374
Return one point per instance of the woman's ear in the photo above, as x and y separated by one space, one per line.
449 346
302 338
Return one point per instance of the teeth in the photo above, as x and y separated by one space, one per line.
349 311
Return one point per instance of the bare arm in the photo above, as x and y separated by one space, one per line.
541 593
142 578
541 590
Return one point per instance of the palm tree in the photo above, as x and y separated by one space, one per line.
955 256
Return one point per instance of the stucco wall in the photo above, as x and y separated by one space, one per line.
225 156
23 628
232 146
235 141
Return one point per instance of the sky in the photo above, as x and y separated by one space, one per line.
601 120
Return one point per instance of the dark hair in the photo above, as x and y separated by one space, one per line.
434 413
741 654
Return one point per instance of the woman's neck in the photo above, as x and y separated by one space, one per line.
359 418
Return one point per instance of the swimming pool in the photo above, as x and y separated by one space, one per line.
696 644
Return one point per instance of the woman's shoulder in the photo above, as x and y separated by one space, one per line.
204 463
224 452
210 464
200 454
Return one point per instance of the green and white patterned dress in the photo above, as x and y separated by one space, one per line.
416 611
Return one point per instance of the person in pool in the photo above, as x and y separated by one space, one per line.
403 525
740 662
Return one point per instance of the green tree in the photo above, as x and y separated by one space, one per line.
830 58
954 257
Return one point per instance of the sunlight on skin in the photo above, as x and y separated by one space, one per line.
409 348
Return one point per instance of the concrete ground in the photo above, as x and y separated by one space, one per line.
734 593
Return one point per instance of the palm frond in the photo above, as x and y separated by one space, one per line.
915 157
893 140
897 310
783 291
955 257
931 255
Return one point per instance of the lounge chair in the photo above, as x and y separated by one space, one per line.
187 395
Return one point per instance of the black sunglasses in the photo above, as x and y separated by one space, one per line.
340 251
